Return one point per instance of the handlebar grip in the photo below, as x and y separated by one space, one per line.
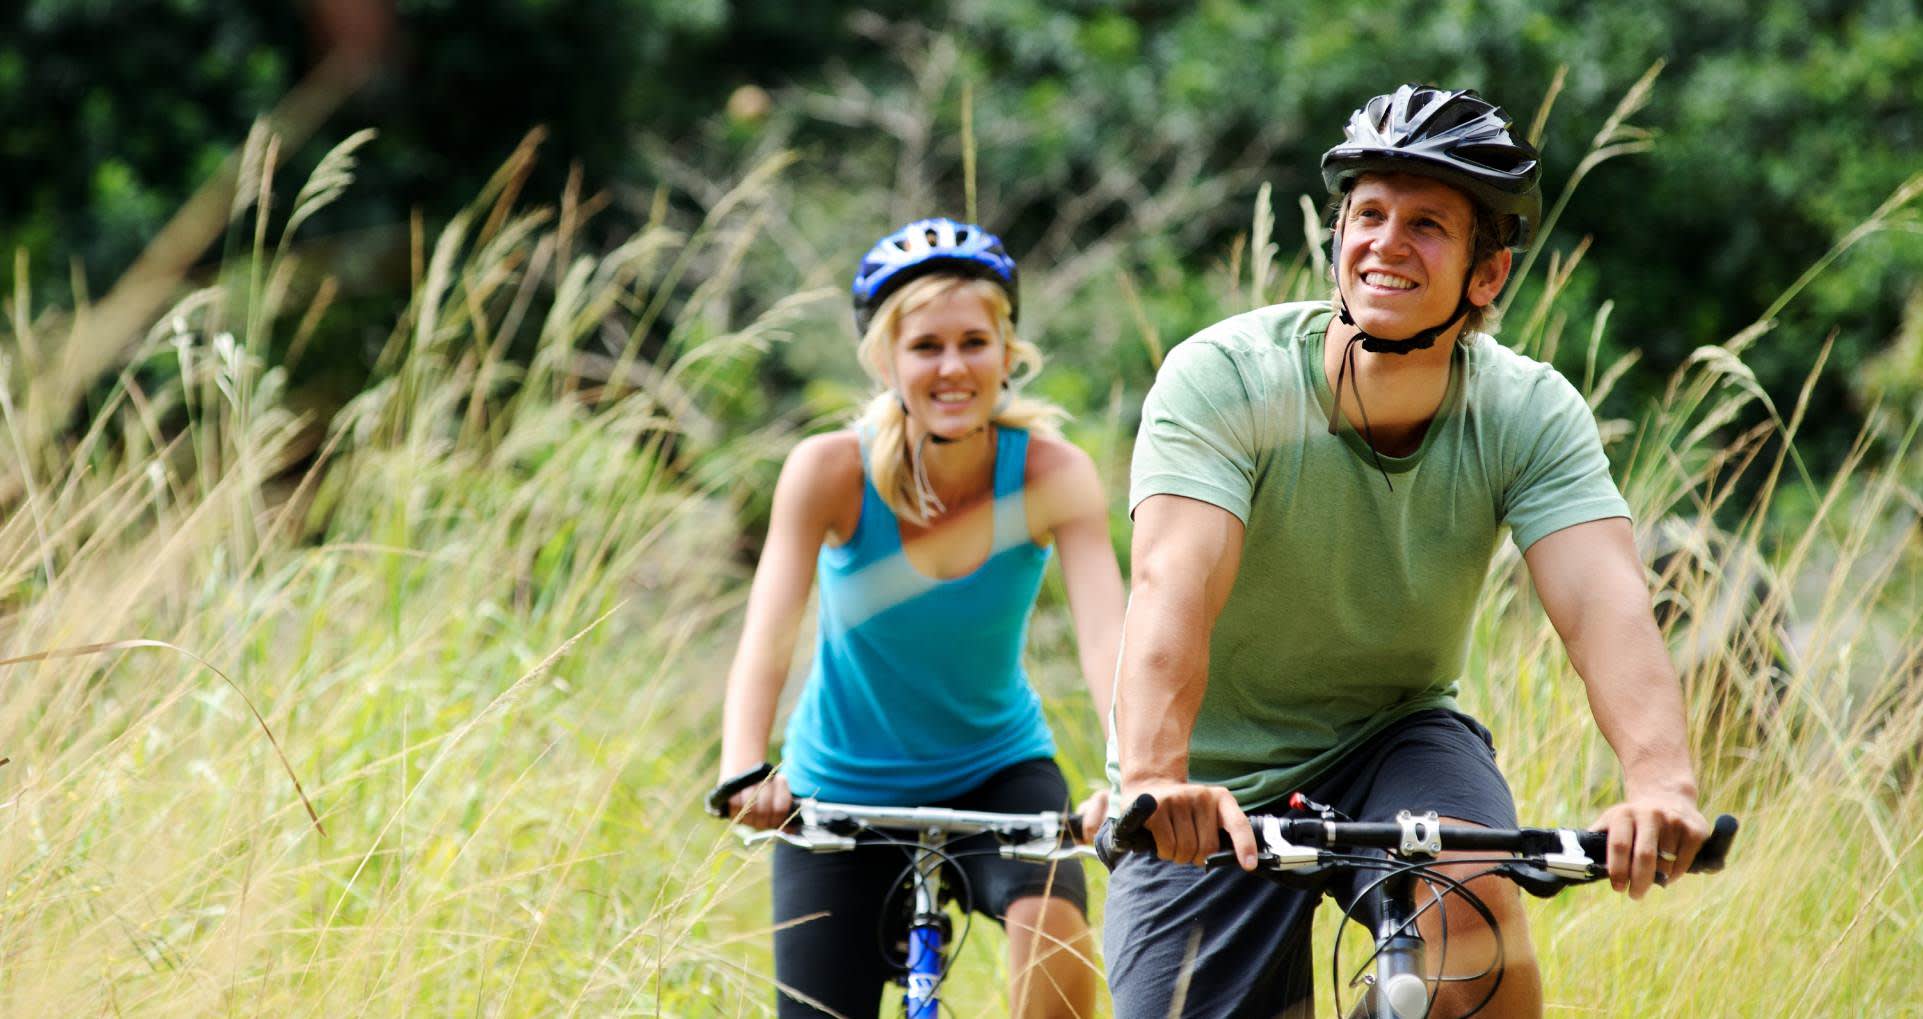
1076 831
1709 858
1126 834
718 797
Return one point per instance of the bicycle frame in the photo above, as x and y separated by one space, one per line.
927 933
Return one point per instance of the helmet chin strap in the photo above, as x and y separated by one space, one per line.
931 504
1422 340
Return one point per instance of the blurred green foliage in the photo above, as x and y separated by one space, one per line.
1119 145
1777 128
117 109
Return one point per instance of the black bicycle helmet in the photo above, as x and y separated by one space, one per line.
1459 138
925 246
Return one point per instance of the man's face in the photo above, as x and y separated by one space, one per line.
1405 246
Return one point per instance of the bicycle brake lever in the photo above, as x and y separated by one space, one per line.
1538 881
814 840
1227 858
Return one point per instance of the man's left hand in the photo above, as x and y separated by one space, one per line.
1651 832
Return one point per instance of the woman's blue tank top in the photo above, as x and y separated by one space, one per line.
917 693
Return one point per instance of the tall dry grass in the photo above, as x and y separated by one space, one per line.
466 607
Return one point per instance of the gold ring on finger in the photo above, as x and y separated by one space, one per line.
1666 856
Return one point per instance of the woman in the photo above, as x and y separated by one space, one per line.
928 524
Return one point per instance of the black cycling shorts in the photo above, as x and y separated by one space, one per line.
845 956
1252 951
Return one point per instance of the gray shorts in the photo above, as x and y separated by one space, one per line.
1249 935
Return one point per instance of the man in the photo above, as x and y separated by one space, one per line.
1307 555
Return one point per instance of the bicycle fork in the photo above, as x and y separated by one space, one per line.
1399 989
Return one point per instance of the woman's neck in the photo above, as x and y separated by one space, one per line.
958 471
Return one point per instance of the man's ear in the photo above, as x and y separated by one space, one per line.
1489 277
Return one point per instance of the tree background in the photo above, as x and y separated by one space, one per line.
1121 145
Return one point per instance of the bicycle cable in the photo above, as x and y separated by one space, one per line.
900 885
1426 873
965 901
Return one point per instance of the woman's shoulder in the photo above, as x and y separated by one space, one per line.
1062 476
824 472
829 450
830 461
1049 454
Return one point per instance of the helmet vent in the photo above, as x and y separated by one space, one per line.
1506 158
1452 116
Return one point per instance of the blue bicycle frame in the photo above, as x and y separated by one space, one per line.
927 934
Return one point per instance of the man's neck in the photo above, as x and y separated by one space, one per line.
1401 392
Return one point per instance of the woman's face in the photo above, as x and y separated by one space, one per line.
950 363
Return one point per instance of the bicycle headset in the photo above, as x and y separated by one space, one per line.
928 246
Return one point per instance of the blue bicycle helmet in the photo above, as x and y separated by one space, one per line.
925 246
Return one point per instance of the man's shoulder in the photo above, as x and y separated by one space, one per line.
1242 343
1502 377
1266 328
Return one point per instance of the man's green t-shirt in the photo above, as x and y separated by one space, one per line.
1353 603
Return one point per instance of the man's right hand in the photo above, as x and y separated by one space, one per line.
1189 818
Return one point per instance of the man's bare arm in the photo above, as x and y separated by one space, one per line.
1591 584
1184 562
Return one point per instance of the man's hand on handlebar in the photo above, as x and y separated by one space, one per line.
1651 832
1187 820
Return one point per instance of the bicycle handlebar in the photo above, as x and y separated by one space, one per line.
1569 856
823 827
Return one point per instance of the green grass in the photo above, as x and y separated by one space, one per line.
487 618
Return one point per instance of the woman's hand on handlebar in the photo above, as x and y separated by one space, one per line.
757 797
767 805
1189 819
1091 811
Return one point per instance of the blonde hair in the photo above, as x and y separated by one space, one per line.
893 461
